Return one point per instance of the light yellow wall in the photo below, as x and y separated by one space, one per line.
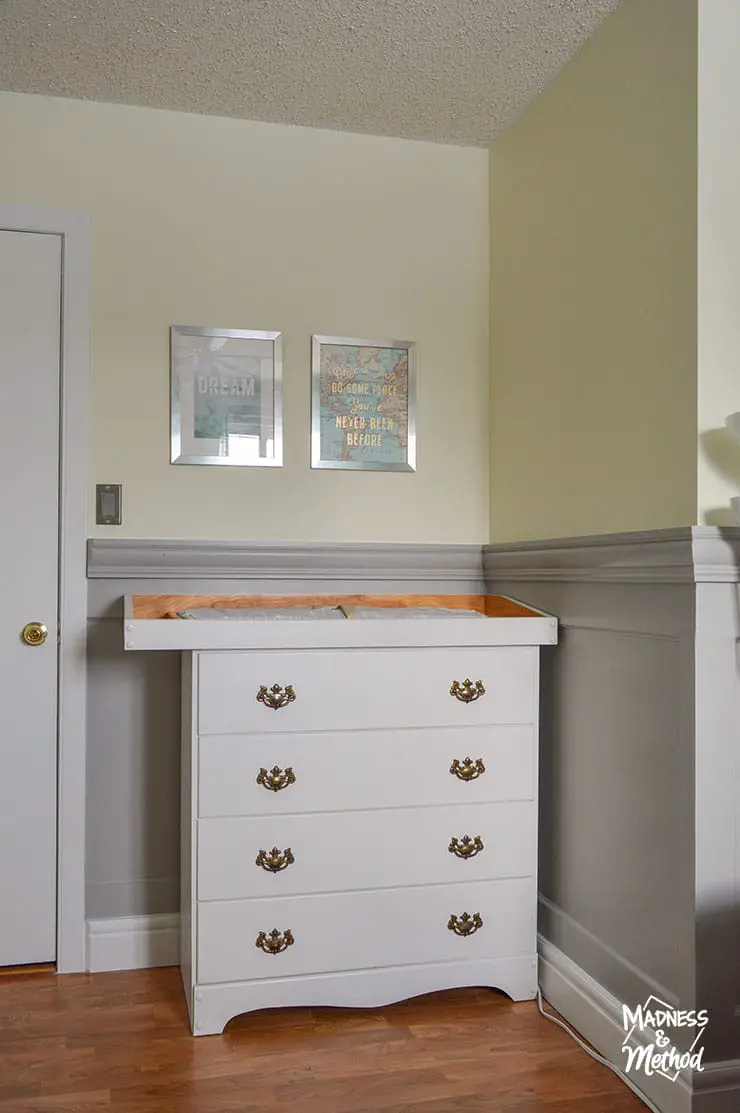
208 221
593 288
719 258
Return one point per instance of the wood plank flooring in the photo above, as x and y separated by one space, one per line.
120 1042
33 968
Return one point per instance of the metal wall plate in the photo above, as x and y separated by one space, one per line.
108 504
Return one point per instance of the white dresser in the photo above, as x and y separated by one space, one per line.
359 803
359 808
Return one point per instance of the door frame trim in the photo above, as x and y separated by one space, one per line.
75 231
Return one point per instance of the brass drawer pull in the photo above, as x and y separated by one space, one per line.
276 778
275 860
276 697
274 942
465 924
467 770
466 847
468 691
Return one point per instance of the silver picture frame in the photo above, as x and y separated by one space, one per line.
226 397
363 404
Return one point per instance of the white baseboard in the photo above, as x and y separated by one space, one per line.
597 1016
133 942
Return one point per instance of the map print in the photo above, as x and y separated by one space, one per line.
363 393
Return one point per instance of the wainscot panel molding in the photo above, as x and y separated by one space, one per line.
687 554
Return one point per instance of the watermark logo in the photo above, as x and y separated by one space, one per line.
657 1030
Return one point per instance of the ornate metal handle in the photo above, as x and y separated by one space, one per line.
468 769
466 847
276 697
272 943
465 924
275 860
276 778
468 691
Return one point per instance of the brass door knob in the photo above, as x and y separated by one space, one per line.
34 633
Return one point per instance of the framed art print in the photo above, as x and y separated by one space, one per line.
363 404
226 397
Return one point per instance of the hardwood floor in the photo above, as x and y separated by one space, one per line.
120 1042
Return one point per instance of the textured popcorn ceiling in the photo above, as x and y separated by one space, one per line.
446 70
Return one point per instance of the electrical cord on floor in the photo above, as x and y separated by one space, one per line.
594 1055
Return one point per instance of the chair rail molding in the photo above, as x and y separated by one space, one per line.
233 560
686 554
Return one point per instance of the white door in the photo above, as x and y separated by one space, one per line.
30 335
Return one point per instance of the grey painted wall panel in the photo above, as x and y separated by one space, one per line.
616 783
133 770
717 819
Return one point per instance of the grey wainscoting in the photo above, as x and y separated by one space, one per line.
133 698
640 783
616 784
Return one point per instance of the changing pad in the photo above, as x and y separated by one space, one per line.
274 614
300 614
409 612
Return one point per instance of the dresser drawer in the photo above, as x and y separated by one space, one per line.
364 850
358 770
352 688
351 931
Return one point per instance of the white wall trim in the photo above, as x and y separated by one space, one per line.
596 1015
74 230
689 554
133 942
716 554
